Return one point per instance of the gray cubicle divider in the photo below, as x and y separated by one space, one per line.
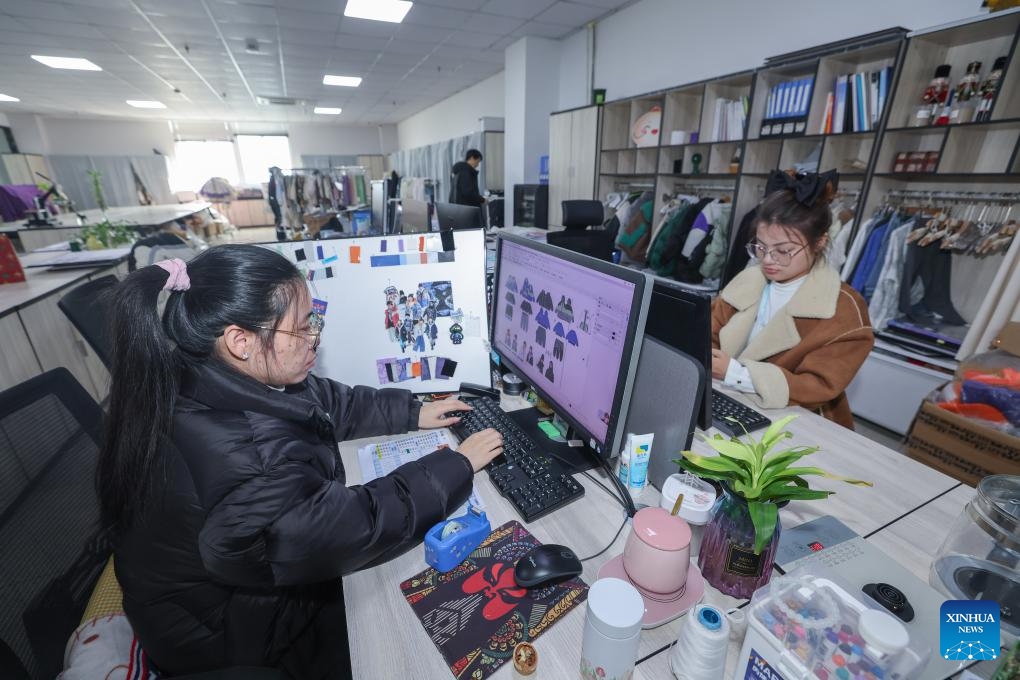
667 391
401 311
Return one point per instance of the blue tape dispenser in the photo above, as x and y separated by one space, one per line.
452 540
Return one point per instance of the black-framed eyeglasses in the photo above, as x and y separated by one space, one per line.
782 254
316 322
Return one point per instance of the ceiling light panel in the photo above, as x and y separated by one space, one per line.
392 11
145 104
341 81
72 63
8 98
328 110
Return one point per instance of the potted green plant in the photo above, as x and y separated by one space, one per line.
740 541
105 234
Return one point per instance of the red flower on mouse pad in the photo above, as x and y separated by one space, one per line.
476 614
496 582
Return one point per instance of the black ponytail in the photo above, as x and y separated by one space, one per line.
248 286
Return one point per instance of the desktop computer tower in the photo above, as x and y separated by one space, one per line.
531 205
665 400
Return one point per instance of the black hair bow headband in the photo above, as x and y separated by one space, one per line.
807 187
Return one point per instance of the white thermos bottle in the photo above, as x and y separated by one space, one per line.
612 630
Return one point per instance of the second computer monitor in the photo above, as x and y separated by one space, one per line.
571 326
455 216
682 319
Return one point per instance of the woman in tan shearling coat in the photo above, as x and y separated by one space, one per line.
787 330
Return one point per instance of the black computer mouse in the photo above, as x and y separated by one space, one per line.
545 565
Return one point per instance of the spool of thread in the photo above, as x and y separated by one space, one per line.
700 650
738 624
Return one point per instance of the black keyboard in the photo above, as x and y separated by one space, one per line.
534 483
725 407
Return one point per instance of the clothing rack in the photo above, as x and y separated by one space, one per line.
688 187
632 186
976 196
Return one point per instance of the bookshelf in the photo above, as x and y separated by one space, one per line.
973 158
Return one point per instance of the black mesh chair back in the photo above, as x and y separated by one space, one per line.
582 214
86 307
51 549
597 243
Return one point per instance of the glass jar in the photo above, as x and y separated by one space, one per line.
727 559
934 98
989 88
980 558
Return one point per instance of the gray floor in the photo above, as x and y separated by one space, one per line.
879 434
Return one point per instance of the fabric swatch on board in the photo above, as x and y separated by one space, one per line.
299 255
319 255
381 366
355 253
383 246
449 368
331 259
386 260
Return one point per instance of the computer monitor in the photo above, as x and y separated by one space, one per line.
414 216
571 326
456 216
682 319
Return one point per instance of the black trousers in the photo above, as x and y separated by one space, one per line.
934 267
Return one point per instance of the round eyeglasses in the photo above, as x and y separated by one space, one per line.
782 254
316 322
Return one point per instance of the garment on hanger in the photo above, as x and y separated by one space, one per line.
885 301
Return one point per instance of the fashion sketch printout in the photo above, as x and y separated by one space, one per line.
399 309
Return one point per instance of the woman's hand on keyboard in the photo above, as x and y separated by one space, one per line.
441 413
481 447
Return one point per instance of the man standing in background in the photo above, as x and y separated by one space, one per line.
464 180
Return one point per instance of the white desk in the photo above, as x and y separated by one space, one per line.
378 613
36 335
67 226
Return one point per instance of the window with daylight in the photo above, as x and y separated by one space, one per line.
259 153
196 162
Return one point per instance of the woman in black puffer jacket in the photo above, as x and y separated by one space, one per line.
221 475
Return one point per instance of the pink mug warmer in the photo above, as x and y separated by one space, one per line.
658 551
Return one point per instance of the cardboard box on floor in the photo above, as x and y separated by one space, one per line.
961 447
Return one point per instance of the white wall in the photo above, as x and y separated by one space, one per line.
3 120
29 133
454 117
657 44
107 137
574 70
323 139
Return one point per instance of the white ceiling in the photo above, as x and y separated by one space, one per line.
149 47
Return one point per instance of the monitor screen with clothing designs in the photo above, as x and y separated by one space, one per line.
571 326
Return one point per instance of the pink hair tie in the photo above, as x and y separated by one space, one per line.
178 270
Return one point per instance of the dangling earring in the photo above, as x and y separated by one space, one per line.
245 356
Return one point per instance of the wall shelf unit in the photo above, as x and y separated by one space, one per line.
975 158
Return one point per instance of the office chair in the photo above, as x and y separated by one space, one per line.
86 307
53 550
577 217
158 247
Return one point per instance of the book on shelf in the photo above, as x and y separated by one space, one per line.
730 118
858 101
787 106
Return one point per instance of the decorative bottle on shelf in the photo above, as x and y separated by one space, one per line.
967 92
945 111
989 88
935 96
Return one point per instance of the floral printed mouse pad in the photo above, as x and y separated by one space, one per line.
476 613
